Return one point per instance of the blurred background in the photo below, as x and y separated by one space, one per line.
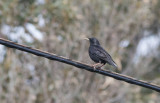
128 29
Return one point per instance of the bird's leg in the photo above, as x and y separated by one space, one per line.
101 66
94 65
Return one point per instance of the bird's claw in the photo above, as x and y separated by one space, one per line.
98 67
94 67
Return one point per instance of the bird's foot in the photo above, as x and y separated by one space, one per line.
98 68
95 65
101 66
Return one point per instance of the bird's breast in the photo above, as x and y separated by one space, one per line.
92 54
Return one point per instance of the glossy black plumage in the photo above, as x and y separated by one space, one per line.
98 54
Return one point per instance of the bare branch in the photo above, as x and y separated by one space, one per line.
79 65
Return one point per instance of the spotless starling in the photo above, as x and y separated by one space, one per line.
98 54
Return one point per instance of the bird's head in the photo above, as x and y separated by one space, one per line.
93 41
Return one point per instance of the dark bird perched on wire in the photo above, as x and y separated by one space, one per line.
98 54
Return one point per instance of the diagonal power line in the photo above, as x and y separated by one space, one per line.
79 65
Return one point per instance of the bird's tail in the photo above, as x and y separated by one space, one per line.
114 64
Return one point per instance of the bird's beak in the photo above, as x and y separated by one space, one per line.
86 38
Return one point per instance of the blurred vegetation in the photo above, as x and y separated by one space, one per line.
25 78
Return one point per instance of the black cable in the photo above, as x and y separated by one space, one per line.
79 65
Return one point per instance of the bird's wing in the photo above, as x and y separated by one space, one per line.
103 55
